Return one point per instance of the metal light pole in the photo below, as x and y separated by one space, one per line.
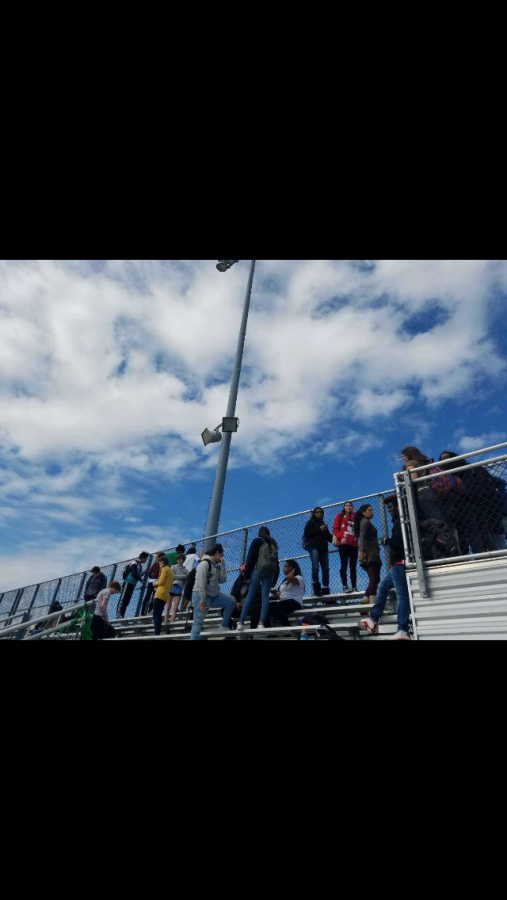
218 488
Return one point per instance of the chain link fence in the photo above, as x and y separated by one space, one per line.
36 600
457 509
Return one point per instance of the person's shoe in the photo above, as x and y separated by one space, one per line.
317 591
225 632
260 625
366 599
400 636
369 625
347 590
325 592
240 627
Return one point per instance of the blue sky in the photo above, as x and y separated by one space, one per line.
111 369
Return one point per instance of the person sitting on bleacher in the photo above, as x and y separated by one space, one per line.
289 596
396 578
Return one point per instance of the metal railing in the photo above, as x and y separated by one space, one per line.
456 514
287 531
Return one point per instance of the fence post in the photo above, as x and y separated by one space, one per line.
32 601
143 587
243 546
81 586
383 525
15 604
416 536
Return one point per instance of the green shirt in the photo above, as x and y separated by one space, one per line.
172 557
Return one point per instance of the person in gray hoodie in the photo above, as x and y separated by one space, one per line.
211 573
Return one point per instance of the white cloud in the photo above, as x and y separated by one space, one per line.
467 443
116 368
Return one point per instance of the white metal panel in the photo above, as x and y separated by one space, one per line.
468 601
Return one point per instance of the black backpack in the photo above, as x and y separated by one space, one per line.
190 579
438 540
324 631
126 571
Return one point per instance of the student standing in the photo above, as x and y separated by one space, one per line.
316 538
210 574
191 559
348 546
179 576
173 556
100 626
95 584
152 578
263 568
396 578
134 576
163 589
369 550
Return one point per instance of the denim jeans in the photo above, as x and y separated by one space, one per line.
266 583
321 556
396 579
218 602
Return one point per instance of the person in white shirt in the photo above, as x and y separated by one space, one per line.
100 623
289 596
191 559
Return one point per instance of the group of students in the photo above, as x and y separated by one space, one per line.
473 509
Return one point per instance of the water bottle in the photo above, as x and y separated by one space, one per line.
304 636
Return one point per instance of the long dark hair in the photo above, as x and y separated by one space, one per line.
359 518
447 462
315 510
417 456
265 533
293 563
343 513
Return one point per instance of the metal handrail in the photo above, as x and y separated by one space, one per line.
51 615
448 471
463 456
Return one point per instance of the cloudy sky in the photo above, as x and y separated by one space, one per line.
111 369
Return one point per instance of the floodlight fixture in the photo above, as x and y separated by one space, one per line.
230 425
225 264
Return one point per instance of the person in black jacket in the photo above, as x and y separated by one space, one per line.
95 584
316 537
396 578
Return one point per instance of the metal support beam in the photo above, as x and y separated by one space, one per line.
243 546
416 536
215 506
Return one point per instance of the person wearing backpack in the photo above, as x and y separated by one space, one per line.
263 568
132 575
150 590
316 538
210 574
481 508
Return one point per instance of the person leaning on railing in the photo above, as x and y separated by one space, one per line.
100 626
482 512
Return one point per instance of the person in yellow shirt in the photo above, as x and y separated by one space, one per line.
162 593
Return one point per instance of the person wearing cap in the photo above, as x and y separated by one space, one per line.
95 584
135 575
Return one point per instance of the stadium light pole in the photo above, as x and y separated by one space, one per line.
221 473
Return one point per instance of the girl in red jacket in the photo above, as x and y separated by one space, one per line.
348 545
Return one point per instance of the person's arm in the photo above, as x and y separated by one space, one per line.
336 528
362 536
253 556
222 575
103 607
414 475
139 577
291 578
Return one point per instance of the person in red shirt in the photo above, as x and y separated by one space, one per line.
348 545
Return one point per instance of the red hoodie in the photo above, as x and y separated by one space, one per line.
345 529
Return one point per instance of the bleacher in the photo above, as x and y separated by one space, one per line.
341 615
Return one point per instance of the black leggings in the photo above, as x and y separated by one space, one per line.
158 609
125 600
280 608
348 553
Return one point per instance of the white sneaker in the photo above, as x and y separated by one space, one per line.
400 636
223 630
240 627
369 625
260 626
347 590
